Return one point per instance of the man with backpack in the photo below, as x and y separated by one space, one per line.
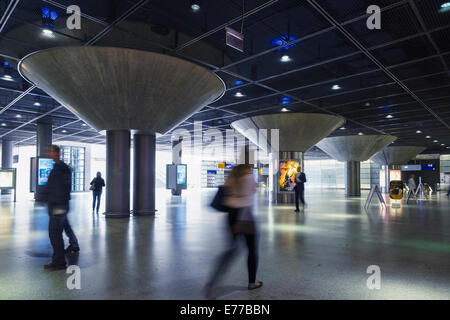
300 179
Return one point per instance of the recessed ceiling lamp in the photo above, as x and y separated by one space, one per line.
428 137
435 141
64 131
195 5
3 124
37 104
342 128
285 58
7 77
18 116
367 104
445 5
83 124
47 32
284 110
360 134
336 87
239 94
418 131
442 144
389 116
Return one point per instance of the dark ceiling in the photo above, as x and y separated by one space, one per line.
395 80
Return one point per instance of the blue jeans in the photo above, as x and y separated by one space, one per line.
96 197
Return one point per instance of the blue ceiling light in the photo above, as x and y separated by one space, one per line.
285 100
283 40
48 17
238 83
6 64
386 108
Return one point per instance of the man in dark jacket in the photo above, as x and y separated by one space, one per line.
58 189
97 185
300 179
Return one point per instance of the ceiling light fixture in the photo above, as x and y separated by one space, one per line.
336 87
418 131
389 116
342 128
435 141
3 124
285 58
428 137
284 110
83 124
239 94
360 134
47 32
64 131
37 104
18 116
445 5
195 5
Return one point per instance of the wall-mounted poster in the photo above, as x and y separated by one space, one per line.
7 179
288 170
45 165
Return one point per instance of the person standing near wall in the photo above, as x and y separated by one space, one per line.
300 179
97 185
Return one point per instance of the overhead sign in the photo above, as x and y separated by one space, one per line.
234 39
429 167
412 167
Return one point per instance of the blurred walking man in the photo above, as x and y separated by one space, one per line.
58 195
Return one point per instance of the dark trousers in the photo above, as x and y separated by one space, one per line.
55 232
96 197
73 241
228 256
299 194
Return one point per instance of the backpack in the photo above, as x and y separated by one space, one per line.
218 201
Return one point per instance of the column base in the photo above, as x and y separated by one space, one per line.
141 213
116 215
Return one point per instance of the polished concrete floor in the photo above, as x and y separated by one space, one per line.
322 252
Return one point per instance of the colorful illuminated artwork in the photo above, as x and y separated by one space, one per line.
288 170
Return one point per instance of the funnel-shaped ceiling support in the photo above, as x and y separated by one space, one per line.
297 131
123 89
354 148
396 155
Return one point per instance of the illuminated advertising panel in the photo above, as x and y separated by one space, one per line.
395 175
45 165
7 179
181 174
288 170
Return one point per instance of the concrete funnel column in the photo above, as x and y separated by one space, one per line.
117 173
144 175
391 156
353 150
298 132
123 90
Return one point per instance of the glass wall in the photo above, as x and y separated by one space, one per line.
330 174
75 158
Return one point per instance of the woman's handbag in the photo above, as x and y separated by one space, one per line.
92 188
218 201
